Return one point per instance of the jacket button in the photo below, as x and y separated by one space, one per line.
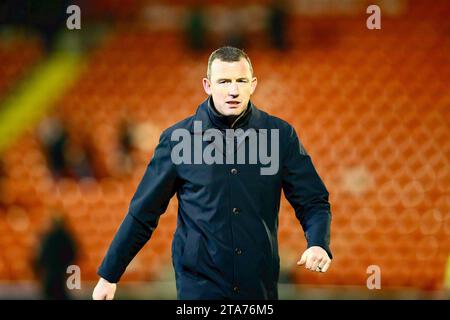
238 251
236 210
234 171
236 289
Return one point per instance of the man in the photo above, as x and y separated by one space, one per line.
225 245
57 251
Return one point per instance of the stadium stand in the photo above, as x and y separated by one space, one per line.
371 108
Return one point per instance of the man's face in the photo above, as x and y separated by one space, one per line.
230 86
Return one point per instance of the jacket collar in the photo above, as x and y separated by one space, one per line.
211 119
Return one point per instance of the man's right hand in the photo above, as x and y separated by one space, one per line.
104 290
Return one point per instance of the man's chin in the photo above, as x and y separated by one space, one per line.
232 111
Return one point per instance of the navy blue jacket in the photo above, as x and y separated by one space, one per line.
225 245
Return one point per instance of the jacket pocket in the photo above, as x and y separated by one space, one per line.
190 252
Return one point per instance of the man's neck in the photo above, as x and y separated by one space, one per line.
229 120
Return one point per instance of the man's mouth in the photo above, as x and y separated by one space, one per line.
233 103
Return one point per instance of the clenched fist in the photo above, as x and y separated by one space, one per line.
104 290
316 259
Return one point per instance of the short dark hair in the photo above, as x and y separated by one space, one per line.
227 54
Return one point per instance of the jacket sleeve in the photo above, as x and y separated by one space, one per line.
149 201
307 194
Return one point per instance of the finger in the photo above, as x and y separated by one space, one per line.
302 259
326 266
98 297
309 261
322 263
315 264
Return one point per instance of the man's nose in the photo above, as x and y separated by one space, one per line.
233 90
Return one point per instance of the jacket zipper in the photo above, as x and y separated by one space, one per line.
240 116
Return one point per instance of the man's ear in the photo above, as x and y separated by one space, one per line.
254 84
207 86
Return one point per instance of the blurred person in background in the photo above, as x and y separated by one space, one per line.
277 24
67 156
196 27
57 251
80 158
54 138
225 245
126 146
